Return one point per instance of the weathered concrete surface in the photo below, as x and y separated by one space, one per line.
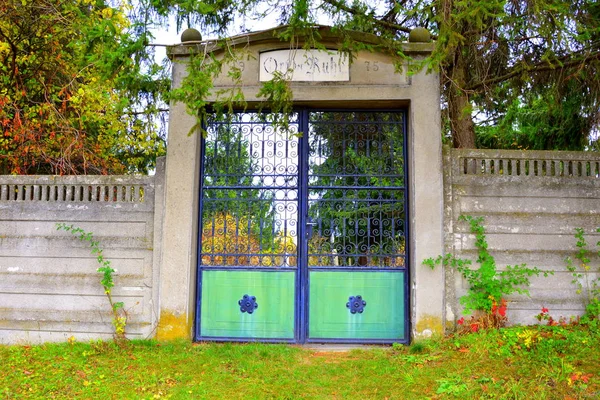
179 240
532 201
426 204
49 287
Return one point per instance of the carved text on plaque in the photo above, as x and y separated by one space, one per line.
305 65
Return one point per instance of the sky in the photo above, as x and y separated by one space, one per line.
169 35
164 36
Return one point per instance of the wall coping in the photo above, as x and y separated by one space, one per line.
327 36
76 188
526 154
525 163
74 179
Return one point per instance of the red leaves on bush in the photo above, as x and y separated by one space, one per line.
501 310
496 318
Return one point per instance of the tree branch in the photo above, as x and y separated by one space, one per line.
566 62
351 10
135 113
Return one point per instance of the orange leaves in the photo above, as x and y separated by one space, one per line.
496 318
17 120
578 377
228 241
499 310
42 139
50 63
35 146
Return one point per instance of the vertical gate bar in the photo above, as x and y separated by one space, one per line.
302 250
198 296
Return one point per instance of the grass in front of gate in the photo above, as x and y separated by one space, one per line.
519 362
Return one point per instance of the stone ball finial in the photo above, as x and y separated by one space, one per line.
191 35
419 35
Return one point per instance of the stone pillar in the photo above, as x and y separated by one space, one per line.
179 245
426 204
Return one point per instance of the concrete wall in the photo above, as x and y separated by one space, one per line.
49 287
532 201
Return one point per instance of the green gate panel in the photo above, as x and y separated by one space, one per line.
272 319
382 317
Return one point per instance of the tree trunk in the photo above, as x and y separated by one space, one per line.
459 105
455 76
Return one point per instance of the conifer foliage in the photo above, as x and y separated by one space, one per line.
81 94
514 73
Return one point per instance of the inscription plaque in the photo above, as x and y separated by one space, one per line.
305 65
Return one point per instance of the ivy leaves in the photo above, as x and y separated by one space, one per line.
487 285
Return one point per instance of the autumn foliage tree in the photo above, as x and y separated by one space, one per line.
73 96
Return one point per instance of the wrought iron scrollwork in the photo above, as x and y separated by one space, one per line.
249 193
356 304
248 304
357 189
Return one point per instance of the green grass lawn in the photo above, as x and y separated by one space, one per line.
520 362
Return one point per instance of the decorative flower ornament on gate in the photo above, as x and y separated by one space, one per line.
356 304
248 304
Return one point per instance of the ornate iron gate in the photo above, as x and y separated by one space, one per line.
304 230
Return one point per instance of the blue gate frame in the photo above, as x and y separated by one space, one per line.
343 258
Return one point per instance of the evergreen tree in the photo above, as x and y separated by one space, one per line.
494 56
